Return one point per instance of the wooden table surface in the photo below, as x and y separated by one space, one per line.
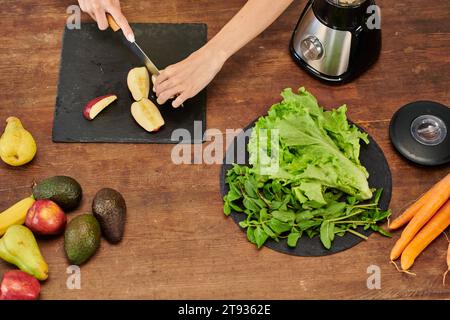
178 244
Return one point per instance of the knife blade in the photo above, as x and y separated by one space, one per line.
145 59
134 47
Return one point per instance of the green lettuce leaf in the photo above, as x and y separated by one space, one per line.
311 149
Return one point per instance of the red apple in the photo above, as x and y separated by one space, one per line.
18 285
95 106
147 115
46 218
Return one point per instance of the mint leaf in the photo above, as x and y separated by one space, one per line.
234 193
304 215
260 236
335 209
226 208
251 234
250 188
251 204
278 226
235 207
293 239
284 216
325 234
263 215
269 231
377 196
243 224
331 231
381 231
384 233
307 224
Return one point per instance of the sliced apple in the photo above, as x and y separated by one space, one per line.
139 83
95 106
147 115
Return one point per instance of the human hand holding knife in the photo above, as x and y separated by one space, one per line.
98 9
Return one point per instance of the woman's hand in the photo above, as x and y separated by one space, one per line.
98 9
188 77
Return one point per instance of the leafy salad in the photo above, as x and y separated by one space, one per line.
305 177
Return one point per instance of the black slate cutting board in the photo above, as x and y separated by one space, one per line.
95 63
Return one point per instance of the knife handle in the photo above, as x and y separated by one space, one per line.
112 23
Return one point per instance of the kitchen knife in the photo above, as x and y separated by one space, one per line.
134 47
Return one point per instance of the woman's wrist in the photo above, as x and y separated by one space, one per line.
214 49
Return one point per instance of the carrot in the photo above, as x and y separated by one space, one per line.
448 261
422 216
429 232
412 210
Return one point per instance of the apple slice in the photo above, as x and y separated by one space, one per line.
95 106
139 83
153 82
147 115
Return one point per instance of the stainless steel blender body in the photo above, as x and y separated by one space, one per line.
332 40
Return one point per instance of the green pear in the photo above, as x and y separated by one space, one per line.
19 247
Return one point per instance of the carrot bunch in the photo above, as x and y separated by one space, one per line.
426 219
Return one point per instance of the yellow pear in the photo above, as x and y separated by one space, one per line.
17 145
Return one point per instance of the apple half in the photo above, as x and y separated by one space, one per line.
95 106
138 81
147 115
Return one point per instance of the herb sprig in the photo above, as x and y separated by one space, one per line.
273 211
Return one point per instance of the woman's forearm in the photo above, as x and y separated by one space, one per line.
186 78
247 24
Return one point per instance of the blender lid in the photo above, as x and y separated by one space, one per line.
420 131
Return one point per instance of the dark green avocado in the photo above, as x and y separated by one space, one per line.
64 191
82 238
110 210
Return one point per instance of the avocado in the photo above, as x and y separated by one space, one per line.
110 210
82 238
65 191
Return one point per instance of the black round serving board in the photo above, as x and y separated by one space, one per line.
371 157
